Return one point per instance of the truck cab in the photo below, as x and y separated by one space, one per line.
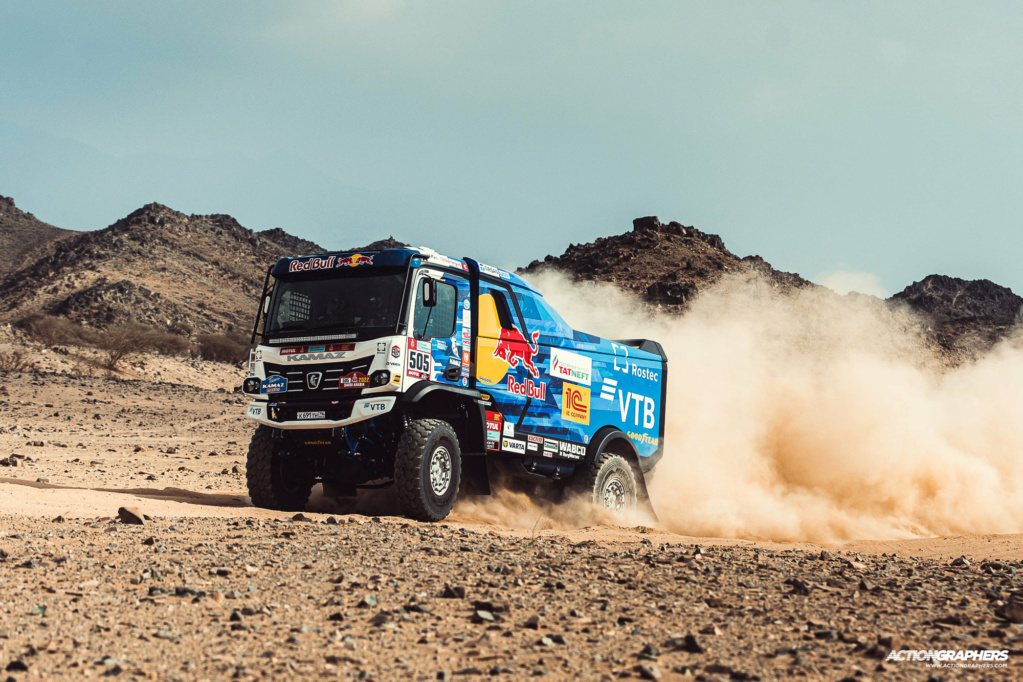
410 370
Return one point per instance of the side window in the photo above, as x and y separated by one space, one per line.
438 321
539 315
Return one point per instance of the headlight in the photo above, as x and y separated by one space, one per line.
380 378
251 385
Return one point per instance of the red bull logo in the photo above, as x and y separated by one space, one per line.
512 347
355 260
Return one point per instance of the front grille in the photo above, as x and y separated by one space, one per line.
328 388
288 411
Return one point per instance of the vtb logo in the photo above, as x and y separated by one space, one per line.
312 380
575 403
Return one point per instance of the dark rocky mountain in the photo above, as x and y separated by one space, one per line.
966 317
290 242
666 265
381 244
21 233
156 266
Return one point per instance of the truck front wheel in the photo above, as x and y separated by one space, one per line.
277 480
428 469
609 482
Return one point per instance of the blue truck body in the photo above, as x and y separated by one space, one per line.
520 387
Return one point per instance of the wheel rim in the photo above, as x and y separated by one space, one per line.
615 494
440 471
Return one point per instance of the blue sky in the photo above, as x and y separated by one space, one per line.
871 142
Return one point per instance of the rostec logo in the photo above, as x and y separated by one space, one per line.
571 366
575 403
354 260
312 380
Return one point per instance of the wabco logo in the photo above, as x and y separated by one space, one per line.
571 366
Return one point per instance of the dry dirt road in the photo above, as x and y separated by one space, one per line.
212 588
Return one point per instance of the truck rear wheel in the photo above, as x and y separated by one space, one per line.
609 482
275 479
428 469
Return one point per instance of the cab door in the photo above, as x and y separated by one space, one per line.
438 343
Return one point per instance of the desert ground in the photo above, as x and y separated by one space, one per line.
209 587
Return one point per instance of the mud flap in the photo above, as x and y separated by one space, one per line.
475 474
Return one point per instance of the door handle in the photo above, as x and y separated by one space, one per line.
453 373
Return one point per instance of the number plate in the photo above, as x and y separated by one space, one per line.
312 415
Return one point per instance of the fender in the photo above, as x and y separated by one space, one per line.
421 389
610 434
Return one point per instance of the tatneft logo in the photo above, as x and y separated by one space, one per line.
951 658
571 366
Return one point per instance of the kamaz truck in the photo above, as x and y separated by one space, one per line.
429 375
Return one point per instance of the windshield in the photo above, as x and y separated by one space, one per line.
355 302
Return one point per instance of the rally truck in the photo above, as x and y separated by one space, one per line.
409 370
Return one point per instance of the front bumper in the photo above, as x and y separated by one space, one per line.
295 415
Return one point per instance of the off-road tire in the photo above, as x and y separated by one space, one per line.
609 482
276 482
428 456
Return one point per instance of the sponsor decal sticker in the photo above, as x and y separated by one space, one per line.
516 446
255 411
311 415
374 407
644 372
607 390
355 260
534 442
571 366
550 448
528 388
642 438
571 450
575 403
274 384
509 429
440 344
513 347
494 272
312 264
396 379
493 429
420 362
395 351
465 356
639 403
353 380
381 347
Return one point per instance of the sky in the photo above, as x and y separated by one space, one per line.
863 145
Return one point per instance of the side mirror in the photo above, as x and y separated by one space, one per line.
429 293
266 305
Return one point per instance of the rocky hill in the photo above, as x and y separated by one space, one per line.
157 266
666 265
964 316
290 242
22 233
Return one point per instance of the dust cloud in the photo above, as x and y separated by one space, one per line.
809 416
